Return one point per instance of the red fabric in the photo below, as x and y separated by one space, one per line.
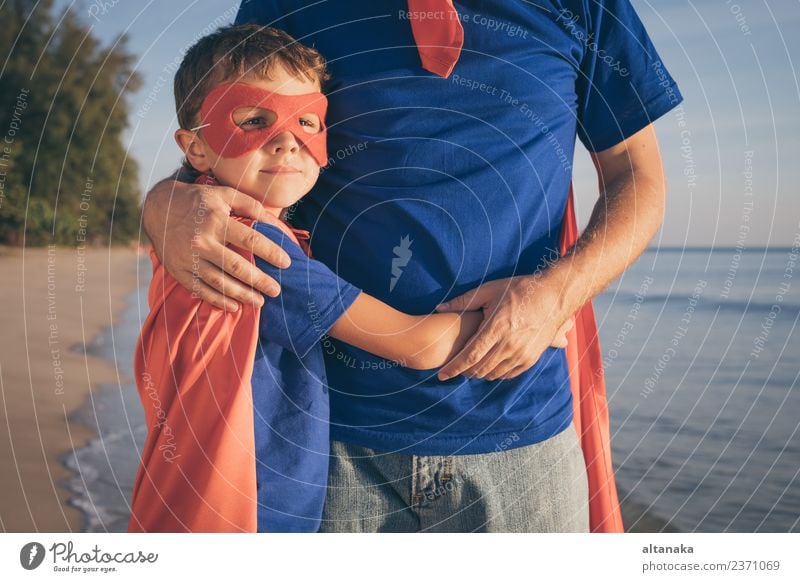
231 141
590 406
438 33
193 365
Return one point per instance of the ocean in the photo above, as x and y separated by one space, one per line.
701 354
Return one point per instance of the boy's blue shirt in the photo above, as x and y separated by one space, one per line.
438 185
290 393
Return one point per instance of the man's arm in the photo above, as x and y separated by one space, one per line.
189 225
625 218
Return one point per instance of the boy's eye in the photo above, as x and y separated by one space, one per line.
310 123
249 118
254 122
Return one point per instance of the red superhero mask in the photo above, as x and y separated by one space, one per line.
285 112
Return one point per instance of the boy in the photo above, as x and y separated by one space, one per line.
236 402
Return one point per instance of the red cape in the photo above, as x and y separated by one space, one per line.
590 407
193 365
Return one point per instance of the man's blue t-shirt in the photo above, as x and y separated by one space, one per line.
290 393
435 186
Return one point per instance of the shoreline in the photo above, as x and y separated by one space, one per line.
102 472
59 300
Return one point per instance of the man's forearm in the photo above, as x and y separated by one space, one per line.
154 208
624 220
152 203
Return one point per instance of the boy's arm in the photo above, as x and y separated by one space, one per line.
415 341
316 302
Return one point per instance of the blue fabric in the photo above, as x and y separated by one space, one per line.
290 395
436 186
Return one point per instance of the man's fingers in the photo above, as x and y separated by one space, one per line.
487 363
239 268
216 278
514 372
463 360
472 300
567 325
560 339
472 353
251 240
244 205
460 303
202 290
501 369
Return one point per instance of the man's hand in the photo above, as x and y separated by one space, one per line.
522 318
189 225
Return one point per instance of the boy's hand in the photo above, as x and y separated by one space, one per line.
189 225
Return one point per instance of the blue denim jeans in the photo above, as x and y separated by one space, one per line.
535 488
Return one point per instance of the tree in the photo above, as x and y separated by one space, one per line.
64 170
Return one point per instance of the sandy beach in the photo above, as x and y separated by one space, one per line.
55 300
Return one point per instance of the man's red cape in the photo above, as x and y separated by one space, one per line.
193 365
589 404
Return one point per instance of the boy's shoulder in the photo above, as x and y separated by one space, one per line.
298 236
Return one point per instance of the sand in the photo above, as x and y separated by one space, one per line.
54 300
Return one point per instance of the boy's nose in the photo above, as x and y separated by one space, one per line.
282 143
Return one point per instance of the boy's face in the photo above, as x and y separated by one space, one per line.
282 170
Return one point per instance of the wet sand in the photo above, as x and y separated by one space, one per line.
55 300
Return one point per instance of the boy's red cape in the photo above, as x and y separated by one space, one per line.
193 365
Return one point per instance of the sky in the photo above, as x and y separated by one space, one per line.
730 151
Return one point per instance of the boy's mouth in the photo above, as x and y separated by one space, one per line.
280 170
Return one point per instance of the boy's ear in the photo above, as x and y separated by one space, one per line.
195 151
